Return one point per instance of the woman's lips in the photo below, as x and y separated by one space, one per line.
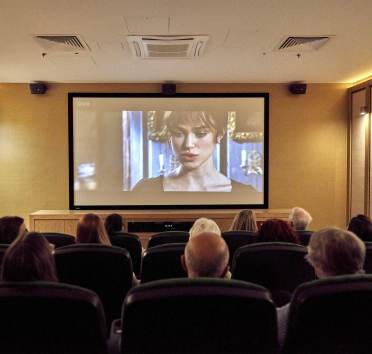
188 157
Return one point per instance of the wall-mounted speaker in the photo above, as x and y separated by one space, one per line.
297 89
38 88
168 89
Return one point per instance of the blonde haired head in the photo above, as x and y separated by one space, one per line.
244 221
204 225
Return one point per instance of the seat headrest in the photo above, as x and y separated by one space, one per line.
185 287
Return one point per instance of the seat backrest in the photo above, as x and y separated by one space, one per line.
237 239
304 236
107 270
45 317
59 239
168 237
368 260
162 262
132 244
332 315
199 315
278 266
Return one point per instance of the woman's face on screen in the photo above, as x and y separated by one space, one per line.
193 144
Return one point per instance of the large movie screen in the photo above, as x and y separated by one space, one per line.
155 151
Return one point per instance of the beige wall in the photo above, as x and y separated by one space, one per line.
308 146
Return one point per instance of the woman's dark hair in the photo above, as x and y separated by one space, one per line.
9 228
361 225
29 258
90 229
113 223
276 230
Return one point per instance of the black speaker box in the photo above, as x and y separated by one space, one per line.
297 89
38 88
168 89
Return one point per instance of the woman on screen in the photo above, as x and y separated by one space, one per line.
193 137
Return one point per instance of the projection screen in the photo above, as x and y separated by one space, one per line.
132 151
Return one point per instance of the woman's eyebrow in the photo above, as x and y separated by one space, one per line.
185 127
201 127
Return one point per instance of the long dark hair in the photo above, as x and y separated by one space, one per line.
29 258
90 229
9 228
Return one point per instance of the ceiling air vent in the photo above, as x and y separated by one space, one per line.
302 43
162 47
61 43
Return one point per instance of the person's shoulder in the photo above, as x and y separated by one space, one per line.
148 184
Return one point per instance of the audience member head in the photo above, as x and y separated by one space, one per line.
29 258
114 223
361 226
204 225
275 230
300 219
90 229
333 251
10 228
244 221
206 255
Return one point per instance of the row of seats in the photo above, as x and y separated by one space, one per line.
131 242
107 270
329 316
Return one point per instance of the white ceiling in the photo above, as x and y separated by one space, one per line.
243 36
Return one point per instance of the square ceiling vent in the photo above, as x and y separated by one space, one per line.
167 47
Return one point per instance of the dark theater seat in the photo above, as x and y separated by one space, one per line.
304 236
59 239
44 317
198 316
163 262
278 266
106 270
368 260
168 237
132 244
331 316
237 239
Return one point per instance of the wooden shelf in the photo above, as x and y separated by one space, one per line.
66 220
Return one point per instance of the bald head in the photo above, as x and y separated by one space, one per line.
206 255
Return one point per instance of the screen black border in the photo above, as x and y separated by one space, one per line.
72 95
